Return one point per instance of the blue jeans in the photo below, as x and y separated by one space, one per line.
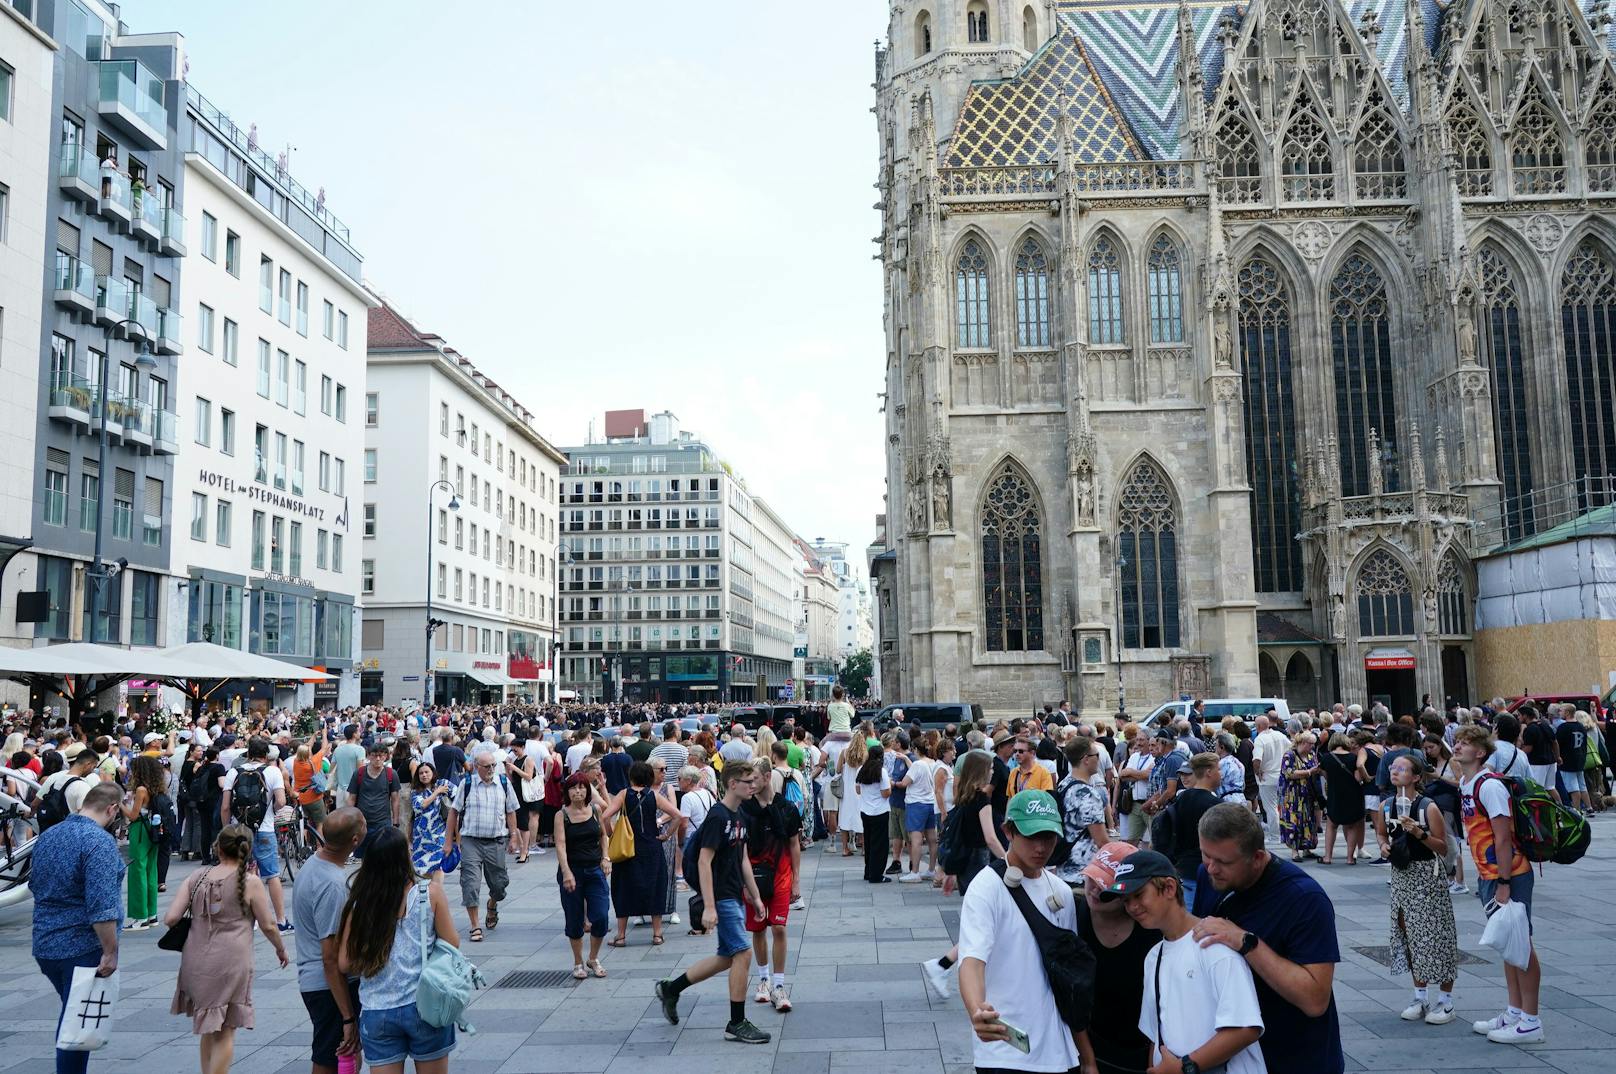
59 971
590 893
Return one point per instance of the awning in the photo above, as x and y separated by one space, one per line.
490 677
204 660
83 658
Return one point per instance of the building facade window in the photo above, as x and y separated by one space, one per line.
1385 598
199 517
1503 342
1012 564
1588 328
971 314
1270 411
144 601
1105 292
1537 150
1364 370
1165 292
1147 559
1032 295
1306 162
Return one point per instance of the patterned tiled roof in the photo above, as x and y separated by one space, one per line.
1015 120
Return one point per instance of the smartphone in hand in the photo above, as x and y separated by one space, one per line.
1017 1039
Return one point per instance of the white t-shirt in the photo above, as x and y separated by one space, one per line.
993 931
577 753
75 792
1203 990
833 757
273 782
1270 747
922 789
1494 796
1509 760
229 757
871 801
1140 762
694 805
1106 765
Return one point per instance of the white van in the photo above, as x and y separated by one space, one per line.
1214 709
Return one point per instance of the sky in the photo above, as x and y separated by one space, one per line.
646 205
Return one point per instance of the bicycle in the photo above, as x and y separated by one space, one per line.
296 839
16 854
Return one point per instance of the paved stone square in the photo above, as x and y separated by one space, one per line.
856 986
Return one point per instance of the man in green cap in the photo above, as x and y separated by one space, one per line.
1013 1012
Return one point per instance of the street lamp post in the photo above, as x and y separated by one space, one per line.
99 572
1122 698
563 556
431 624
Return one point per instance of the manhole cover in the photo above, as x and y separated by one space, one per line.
535 979
1383 955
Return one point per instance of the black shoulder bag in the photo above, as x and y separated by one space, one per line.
174 938
1069 965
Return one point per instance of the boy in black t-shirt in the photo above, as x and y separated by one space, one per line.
724 877
772 825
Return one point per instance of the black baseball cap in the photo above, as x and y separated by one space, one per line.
1135 871
1166 734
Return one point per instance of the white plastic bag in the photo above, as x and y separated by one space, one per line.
87 1018
1509 933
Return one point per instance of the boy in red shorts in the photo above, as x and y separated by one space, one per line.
772 825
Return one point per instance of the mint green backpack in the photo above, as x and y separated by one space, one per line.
448 977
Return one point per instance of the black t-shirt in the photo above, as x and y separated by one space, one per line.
1538 742
724 832
1186 812
1001 787
1573 740
971 835
768 827
1114 1024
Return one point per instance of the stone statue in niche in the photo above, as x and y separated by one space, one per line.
916 507
1222 341
1431 611
1083 495
941 514
1338 618
1467 335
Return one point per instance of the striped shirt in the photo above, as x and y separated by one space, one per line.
482 805
674 756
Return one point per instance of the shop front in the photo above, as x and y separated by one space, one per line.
1389 677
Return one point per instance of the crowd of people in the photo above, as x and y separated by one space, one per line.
1149 844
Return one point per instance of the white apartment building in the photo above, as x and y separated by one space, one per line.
458 511
776 581
26 119
821 615
854 631
272 453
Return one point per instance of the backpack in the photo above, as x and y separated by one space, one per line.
793 792
1545 830
53 808
448 978
249 797
162 822
956 856
1069 966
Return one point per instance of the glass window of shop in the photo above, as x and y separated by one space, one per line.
215 614
144 599
283 624
56 579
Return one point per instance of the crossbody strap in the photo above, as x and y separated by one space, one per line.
1161 1037
425 888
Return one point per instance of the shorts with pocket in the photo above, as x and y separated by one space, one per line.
1542 774
920 816
1520 890
326 1017
1574 780
777 901
266 855
895 829
392 1035
732 937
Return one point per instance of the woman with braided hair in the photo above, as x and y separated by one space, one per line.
215 985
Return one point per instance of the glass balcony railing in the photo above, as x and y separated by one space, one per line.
168 325
78 162
143 311
72 390
115 188
130 84
165 426
75 276
173 226
149 210
112 293
135 415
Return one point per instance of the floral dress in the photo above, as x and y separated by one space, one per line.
1298 820
427 830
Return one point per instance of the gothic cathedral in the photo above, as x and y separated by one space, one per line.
1222 338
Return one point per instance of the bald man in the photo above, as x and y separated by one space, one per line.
317 901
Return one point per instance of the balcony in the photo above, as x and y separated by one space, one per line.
143 312
165 432
75 284
72 398
173 241
136 418
169 332
114 415
78 173
132 98
111 300
147 225
116 203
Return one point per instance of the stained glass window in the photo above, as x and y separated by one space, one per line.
1453 612
971 296
1105 292
1012 564
1385 599
1032 295
1147 547
1537 155
1503 338
1588 323
1270 411
1472 151
1166 290
1365 395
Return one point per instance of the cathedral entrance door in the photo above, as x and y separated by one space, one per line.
1455 674
1394 688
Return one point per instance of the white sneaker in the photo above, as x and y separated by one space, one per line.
910 878
798 903
1517 1034
1413 1012
539 851
136 926
1456 888
941 980
673 919
781 1000
763 995
1497 1021
1440 1016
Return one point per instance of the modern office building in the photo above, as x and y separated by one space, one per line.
271 445
458 525
108 330
27 116
664 571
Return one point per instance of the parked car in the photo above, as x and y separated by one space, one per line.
1586 702
930 715
1214 709
750 717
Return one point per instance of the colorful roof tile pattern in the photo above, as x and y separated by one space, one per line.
1016 120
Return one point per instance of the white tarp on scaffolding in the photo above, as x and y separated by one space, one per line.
1564 582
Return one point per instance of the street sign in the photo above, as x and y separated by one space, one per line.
412 678
786 692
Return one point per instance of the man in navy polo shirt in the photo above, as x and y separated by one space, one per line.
1278 917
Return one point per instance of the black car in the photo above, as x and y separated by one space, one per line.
930 715
750 717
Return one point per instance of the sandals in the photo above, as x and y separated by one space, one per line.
616 942
493 915
657 940
696 932
579 973
594 964
476 935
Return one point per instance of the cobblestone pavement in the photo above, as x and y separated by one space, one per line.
856 986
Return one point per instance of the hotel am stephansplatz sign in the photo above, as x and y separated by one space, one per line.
258 493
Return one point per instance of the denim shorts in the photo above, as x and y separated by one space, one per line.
266 855
920 816
1574 781
1520 890
732 935
389 1036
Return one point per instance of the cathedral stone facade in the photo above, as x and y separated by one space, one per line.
1221 339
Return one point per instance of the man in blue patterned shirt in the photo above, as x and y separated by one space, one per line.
77 880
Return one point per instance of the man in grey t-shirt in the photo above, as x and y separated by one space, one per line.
317 901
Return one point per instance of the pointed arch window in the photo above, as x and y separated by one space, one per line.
1105 292
1012 564
1032 295
922 34
1147 559
1239 164
1306 163
971 297
1588 325
1365 393
1472 152
1453 607
1537 154
1503 338
976 22
1378 166
1385 599
1270 411
1165 292
1599 142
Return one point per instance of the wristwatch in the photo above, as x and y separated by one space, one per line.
1248 943
1188 1065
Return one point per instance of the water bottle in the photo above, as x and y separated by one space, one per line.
347 1064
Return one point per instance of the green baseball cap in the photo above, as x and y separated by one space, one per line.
1034 813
